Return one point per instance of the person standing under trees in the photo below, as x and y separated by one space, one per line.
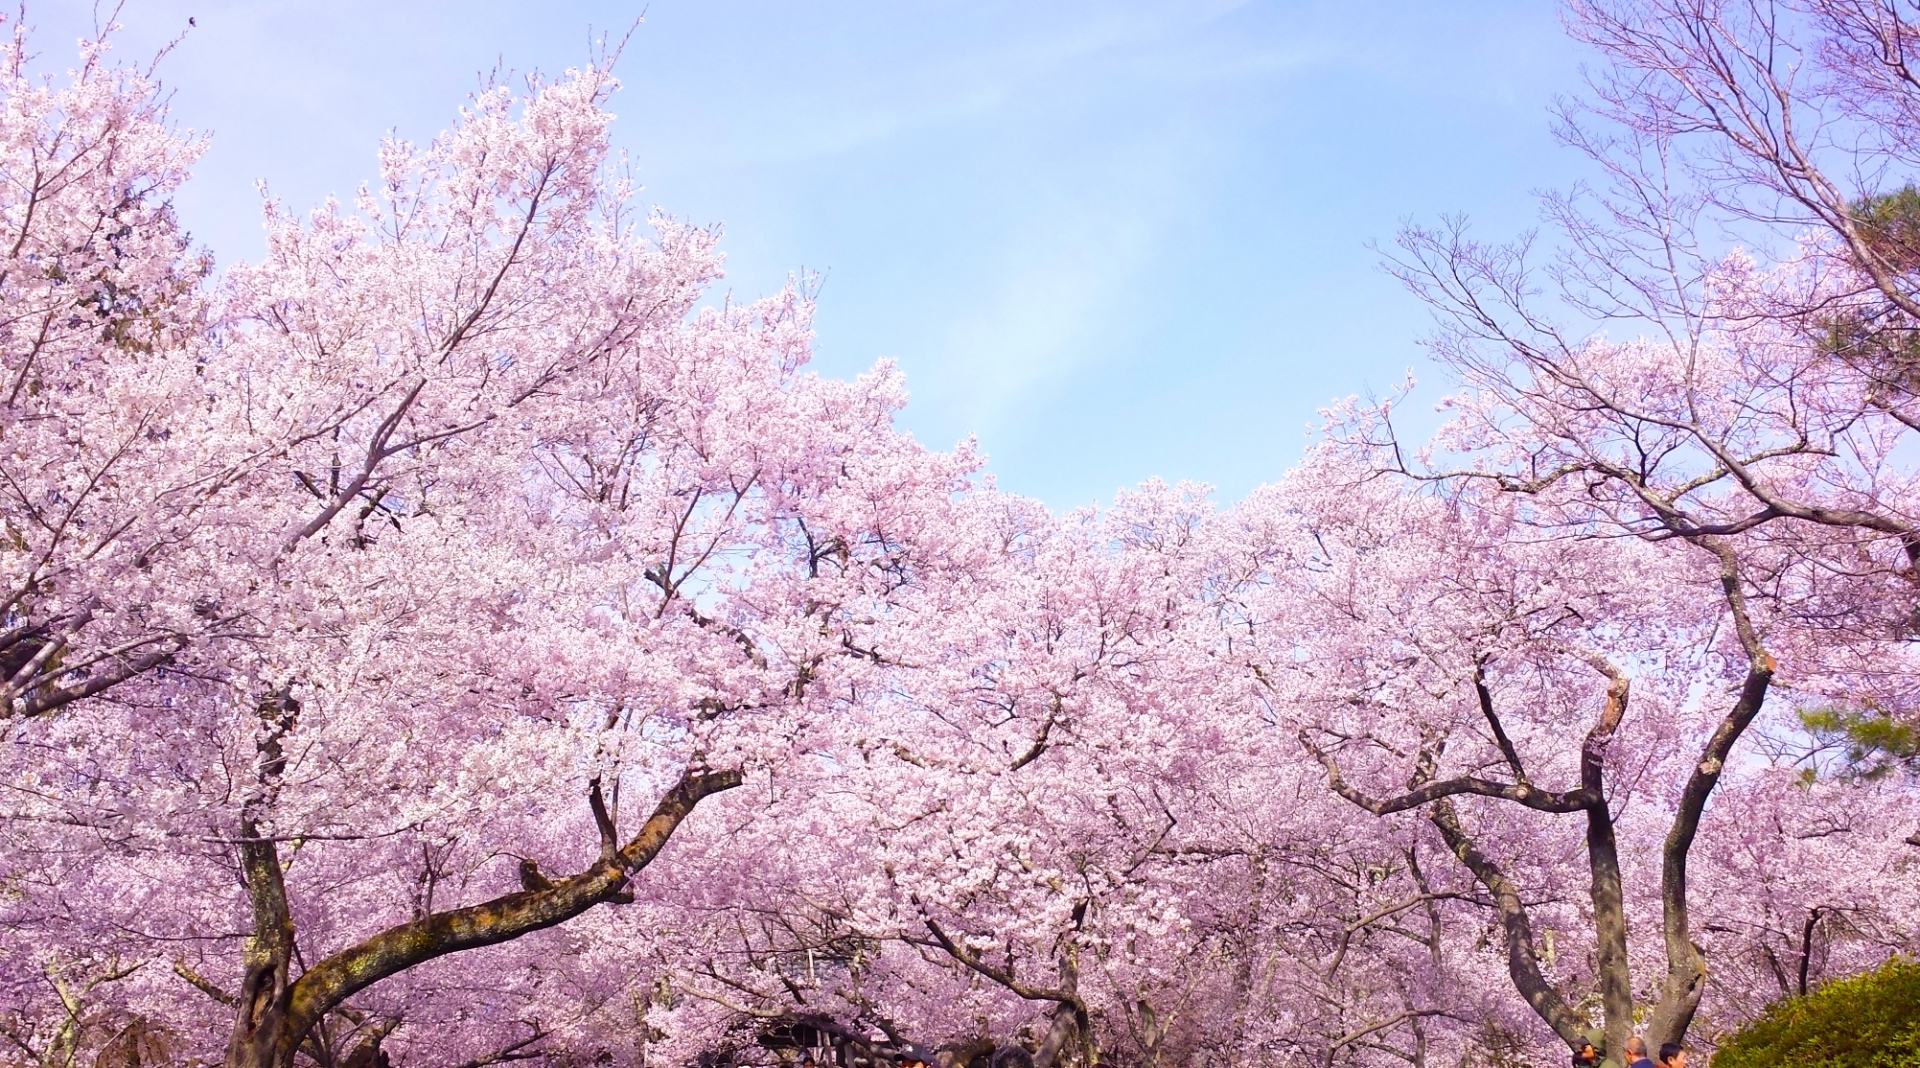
1637 1053
1586 1056
1672 1055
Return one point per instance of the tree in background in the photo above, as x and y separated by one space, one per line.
1687 528
1078 827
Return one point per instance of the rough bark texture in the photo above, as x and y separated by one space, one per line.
1603 861
260 1009
274 1015
1686 977
1523 961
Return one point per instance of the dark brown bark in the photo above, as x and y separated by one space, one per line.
1429 792
1523 961
1686 977
1071 1021
1681 988
260 1013
1603 857
1603 863
274 1022
260 1006
1067 1025
1806 948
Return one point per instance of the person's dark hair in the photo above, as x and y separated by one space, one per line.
1012 1057
1667 1050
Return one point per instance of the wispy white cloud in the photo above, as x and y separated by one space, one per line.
1032 329
978 70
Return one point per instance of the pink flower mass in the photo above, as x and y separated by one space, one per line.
459 638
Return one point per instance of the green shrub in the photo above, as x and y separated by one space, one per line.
1871 1020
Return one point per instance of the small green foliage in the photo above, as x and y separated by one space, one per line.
1871 1020
1890 225
1872 743
1877 335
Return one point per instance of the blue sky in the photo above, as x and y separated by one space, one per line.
1113 240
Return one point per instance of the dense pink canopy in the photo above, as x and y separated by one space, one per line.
460 637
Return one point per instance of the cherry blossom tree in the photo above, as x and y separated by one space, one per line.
450 533
102 297
1689 529
1099 830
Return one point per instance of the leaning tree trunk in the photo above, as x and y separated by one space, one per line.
1063 1031
273 1014
1071 1025
1686 977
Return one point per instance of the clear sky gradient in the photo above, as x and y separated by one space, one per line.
1111 239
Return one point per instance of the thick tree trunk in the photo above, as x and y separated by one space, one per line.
1603 863
1070 1018
1067 1026
1071 1026
259 1038
1686 974
273 1015
1610 934
1686 977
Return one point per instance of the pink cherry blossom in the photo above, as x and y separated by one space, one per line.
461 637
